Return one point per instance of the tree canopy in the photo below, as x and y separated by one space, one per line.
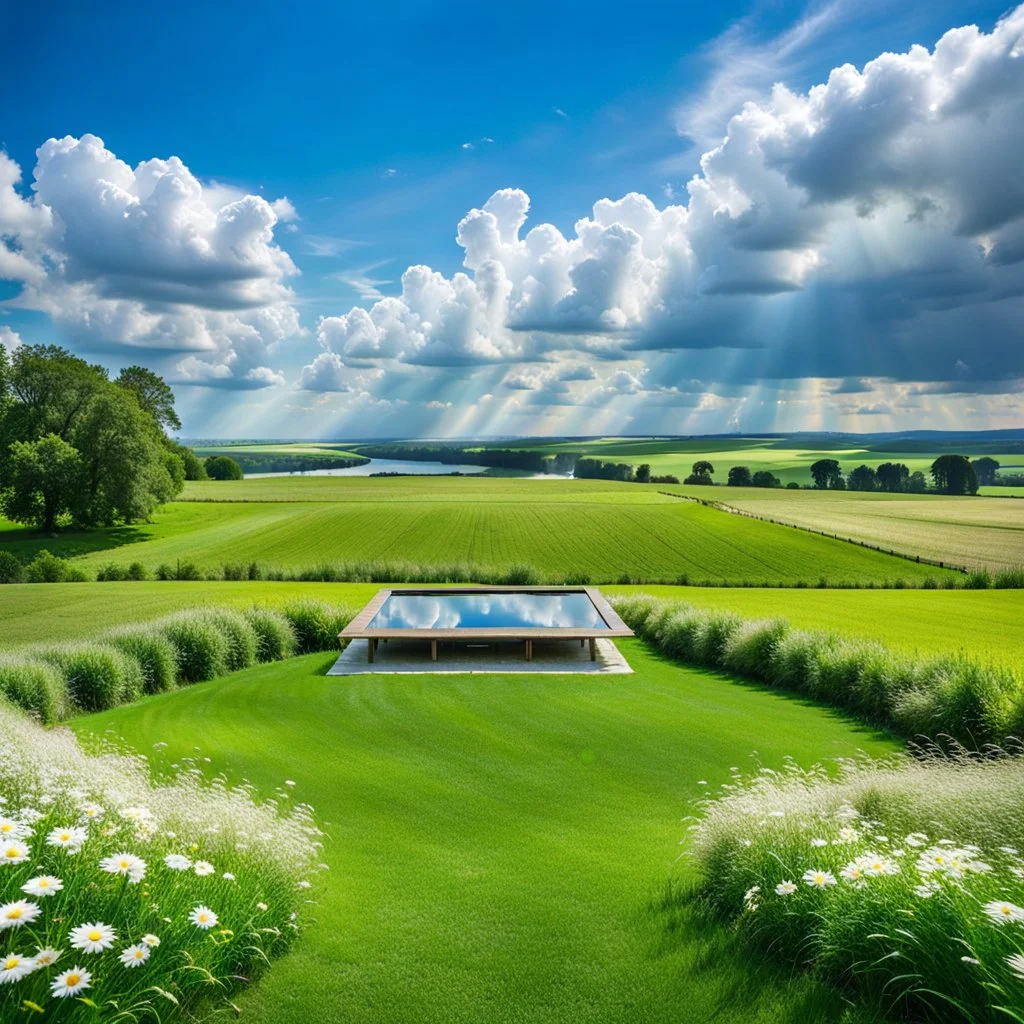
985 470
826 474
863 478
954 474
222 467
739 476
892 476
76 445
701 473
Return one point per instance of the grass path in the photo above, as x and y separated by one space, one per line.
500 846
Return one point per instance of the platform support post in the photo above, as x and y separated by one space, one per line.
593 649
370 645
433 650
529 650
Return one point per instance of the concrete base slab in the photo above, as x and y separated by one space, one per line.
413 656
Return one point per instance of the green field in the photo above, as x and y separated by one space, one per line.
982 623
559 527
960 531
501 846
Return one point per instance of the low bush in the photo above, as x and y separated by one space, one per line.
972 702
98 676
46 568
34 686
154 652
275 638
316 625
11 569
901 879
239 634
201 651
1009 579
115 573
194 886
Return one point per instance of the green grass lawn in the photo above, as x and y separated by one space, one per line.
967 531
559 527
501 847
982 623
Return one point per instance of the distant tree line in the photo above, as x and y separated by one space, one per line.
78 447
521 459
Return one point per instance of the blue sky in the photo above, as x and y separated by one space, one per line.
371 132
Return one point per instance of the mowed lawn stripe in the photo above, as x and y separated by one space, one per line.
605 541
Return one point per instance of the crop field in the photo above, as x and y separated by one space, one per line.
961 531
557 527
500 846
985 623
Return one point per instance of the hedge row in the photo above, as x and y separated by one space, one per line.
953 696
53 682
48 568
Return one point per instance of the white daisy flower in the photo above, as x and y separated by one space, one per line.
854 874
11 829
289 782
92 938
818 843
1003 912
1016 964
136 813
926 890
47 957
13 851
228 876
151 940
125 864
135 956
68 839
203 868
261 906
177 862
203 917
43 885
92 812
819 879
786 888
70 983
877 866
14 967
18 913
309 885
916 839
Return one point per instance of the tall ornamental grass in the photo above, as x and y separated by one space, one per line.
125 900
51 682
913 695
902 878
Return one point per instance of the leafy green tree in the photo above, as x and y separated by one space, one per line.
954 474
194 468
739 476
826 473
863 478
893 476
42 481
221 467
985 470
643 473
701 473
153 394
762 478
917 483
125 464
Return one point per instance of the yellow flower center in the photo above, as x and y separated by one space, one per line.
11 962
12 852
14 913
1005 911
94 935
72 980
138 954
65 837
6 827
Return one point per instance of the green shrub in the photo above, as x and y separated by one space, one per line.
275 638
794 662
715 633
112 573
678 633
978 579
46 567
239 634
154 653
1005 579
35 686
520 575
98 676
316 625
11 569
201 650
751 648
